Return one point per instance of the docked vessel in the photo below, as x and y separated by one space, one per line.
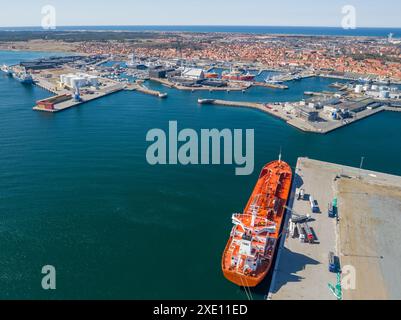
273 80
254 237
237 75
23 77
211 75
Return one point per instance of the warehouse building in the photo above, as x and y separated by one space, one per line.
193 73
307 114
160 72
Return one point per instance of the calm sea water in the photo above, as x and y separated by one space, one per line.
329 31
76 191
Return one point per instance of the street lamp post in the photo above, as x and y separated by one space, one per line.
360 166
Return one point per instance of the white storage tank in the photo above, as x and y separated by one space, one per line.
358 88
78 82
93 81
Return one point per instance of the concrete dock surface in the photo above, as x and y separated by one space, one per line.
370 237
85 98
366 237
239 86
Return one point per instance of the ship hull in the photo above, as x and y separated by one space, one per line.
24 80
238 78
211 75
281 187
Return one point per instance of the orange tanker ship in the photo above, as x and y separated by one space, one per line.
249 252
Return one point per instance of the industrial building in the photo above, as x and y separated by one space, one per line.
379 92
78 80
307 114
357 105
193 73
49 103
160 72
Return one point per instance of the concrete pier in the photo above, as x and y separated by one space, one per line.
85 98
138 86
169 84
48 86
253 105
366 236
322 127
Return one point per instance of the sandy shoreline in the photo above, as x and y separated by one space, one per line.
41 45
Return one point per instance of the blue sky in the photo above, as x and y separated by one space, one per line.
370 13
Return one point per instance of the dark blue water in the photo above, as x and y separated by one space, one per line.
316 31
76 191
259 94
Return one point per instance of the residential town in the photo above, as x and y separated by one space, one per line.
360 55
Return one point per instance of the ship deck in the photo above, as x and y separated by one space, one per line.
273 184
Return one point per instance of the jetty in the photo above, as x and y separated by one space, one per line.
64 101
363 234
48 86
278 110
240 86
240 104
138 86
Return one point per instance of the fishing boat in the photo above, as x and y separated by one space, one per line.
249 252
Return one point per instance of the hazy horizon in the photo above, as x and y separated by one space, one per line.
253 13
200 25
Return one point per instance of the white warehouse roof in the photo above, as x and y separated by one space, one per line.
193 73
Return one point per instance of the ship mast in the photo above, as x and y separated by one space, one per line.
279 156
